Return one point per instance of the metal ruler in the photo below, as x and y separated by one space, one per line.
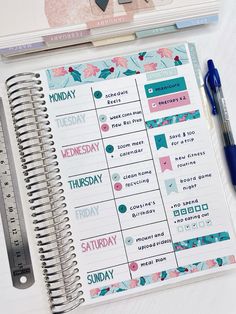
12 213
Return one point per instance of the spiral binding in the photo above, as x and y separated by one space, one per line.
45 191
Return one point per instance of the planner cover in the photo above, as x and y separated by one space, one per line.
45 24
121 175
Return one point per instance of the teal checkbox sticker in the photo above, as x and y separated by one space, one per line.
190 210
110 149
204 207
198 208
183 211
176 213
122 209
98 94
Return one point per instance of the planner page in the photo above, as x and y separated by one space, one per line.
141 183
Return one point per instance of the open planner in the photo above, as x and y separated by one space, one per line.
120 174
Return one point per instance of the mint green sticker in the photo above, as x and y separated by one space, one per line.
171 186
102 118
115 177
201 224
129 241
156 31
151 76
165 87
187 227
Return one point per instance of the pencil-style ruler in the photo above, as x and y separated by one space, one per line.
12 214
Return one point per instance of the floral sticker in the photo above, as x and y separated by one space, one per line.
162 276
119 66
177 118
200 241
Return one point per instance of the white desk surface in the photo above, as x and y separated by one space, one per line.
217 295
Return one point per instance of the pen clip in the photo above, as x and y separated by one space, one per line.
209 94
212 82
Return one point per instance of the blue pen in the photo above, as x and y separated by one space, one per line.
215 94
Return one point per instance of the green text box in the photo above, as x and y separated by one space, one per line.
165 87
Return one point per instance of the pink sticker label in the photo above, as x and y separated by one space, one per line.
66 36
110 21
165 163
169 101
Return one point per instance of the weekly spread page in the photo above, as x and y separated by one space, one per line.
140 179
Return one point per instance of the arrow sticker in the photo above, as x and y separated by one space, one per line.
102 4
165 163
171 186
160 141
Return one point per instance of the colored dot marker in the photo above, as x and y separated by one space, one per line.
118 186
105 127
133 266
102 118
98 94
109 149
115 177
129 240
122 209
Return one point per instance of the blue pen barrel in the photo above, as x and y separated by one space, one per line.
230 153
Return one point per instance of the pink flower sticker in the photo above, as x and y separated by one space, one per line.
115 285
165 53
59 72
91 70
173 274
156 277
133 266
105 127
120 61
118 187
232 259
150 67
211 263
94 292
133 283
